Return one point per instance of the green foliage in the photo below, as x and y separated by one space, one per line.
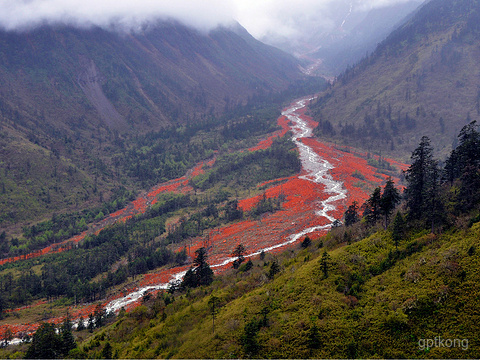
306 242
238 253
402 90
200 274
386 295
351 215
325 263
399 228
249 338
274 269
249 168
47 344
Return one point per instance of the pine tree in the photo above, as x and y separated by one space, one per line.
351 215
200 273
433 202
249 338
325 263
398 231
313 339
390 199
68 341
46 344
238 253
306 242
374 205
417 177
274 269
107 351
81 324
213 303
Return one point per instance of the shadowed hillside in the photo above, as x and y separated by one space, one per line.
422 80
79 106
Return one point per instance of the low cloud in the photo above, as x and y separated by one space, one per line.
294 19
285 18
26 14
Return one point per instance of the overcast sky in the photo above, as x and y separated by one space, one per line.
285 17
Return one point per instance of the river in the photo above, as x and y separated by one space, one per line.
315 169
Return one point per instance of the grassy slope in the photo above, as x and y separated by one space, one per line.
424 295
34 182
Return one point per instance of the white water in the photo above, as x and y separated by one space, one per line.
317 172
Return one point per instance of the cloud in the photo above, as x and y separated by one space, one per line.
295 18
285 18
202 14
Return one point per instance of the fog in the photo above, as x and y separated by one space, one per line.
287 18
26 14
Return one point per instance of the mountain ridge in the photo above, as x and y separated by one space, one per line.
85 95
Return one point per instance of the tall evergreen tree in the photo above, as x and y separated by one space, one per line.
390 199
325 263
432 197
374 204
417 177
238 253
213 303
398 231
68 341
46 344
200 273
351 215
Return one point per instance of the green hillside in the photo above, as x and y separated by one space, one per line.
422 80
428 289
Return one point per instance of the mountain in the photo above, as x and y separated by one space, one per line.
342 33
359 34
422 80
164 73
74 101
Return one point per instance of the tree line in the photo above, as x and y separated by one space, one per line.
435 195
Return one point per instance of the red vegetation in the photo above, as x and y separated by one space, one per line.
301 201
265 144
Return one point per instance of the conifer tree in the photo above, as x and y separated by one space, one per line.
200 273
238 253
68 341
351 215
417 177
374 204
325 263
46 344
389 200
213 303
398 231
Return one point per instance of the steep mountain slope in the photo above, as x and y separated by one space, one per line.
74 101
339 33
422 80
360 33
162 74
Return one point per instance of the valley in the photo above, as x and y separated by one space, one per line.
170 190
313 199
